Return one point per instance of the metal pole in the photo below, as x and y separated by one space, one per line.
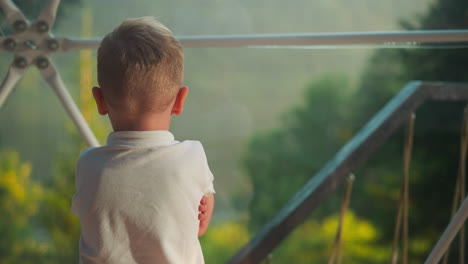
54 80
307 39
49 12
14 74
449 234
12 13
417 36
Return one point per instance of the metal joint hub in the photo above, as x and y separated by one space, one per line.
32 44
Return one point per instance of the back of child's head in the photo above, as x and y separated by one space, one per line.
140 66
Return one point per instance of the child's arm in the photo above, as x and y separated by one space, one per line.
206 211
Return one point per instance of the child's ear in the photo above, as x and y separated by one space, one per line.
178 106
100 102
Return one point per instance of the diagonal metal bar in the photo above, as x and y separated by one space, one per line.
13 75
449 234
54 80
12 13
48 13
354 153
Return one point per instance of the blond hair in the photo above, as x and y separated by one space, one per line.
140 66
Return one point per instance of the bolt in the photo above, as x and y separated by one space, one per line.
31 44
42 26
53 44
42 62
21 62
20 26
9 44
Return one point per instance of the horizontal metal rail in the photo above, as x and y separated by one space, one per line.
300 39
353 154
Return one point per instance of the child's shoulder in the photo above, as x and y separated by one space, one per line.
195 144
193 149
191 142
84 154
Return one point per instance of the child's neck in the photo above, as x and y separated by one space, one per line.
144 123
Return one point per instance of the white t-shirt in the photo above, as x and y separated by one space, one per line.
137 199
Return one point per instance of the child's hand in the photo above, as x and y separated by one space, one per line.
205 211
202 210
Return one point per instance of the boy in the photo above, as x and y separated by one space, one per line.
138 197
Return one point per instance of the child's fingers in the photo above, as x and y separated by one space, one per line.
203 201
201 216
202 208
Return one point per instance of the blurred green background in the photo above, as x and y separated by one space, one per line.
268 118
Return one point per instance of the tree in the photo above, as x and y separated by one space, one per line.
437 135
19 201
312 242
63 228
279 162
222 240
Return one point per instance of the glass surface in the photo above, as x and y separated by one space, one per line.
269 119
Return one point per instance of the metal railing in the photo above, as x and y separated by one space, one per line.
353 154
300 39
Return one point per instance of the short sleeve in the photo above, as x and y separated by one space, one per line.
209 188
208 178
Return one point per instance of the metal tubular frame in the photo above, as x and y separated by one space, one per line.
56 83
32 44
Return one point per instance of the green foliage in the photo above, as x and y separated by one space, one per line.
53 238
437 134
281 161
222 240
19 201
55 214
312 242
